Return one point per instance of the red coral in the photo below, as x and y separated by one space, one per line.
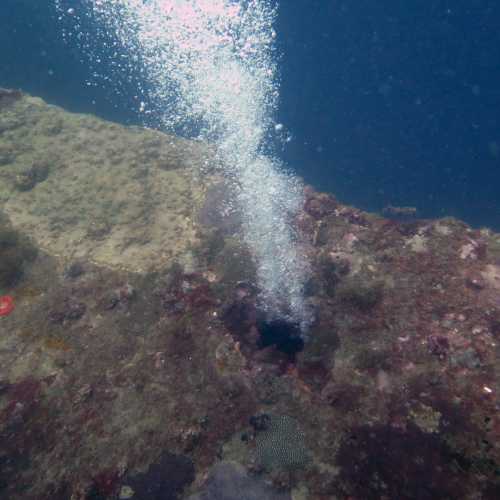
6 305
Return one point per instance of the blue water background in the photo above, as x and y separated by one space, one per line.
388 102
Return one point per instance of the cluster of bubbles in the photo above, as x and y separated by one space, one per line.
210 68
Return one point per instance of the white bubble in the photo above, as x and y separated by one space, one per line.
70 11
212 63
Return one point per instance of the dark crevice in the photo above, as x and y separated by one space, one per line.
284 335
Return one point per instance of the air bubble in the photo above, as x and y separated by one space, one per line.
211 63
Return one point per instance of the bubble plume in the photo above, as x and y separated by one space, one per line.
210 68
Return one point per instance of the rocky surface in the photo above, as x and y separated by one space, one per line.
85 188
136 358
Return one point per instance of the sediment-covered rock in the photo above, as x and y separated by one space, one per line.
86 188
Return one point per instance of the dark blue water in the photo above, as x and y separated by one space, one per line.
388 102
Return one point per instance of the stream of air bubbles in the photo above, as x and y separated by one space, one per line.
212 63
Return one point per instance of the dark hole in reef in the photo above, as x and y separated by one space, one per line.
282 334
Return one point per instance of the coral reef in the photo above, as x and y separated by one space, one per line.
138 361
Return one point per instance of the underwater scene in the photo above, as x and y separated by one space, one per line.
249 250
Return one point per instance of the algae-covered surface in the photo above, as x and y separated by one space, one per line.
85 188
135 362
